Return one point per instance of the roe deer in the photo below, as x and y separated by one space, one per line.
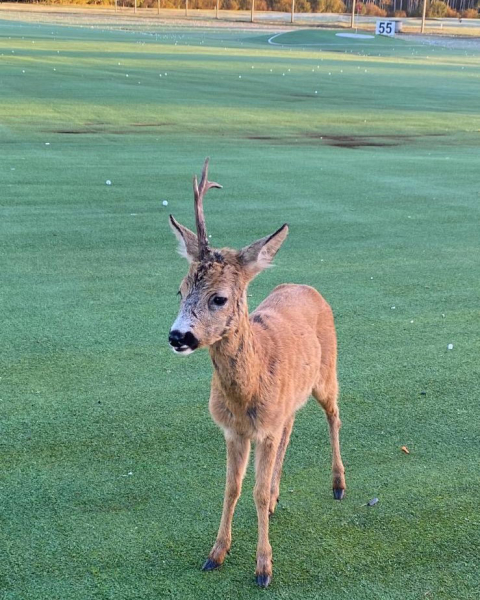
266 365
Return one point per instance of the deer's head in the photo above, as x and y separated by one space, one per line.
213 294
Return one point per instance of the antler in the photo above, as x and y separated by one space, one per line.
199 191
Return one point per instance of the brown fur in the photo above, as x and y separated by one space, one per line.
266 366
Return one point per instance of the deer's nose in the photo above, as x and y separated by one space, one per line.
182 340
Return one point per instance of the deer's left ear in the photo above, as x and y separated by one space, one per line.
187 240
259 255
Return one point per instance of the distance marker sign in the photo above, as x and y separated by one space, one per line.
384 27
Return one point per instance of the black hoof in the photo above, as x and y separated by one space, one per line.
210 565
338 493
263 580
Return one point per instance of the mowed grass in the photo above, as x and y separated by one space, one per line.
112 471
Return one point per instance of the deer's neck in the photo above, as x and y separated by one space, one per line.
236 362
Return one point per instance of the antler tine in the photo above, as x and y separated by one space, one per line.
199 192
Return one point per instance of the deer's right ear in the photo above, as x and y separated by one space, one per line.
187 240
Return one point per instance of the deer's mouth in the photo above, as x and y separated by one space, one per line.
184 350
182 343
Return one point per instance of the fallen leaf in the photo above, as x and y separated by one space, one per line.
405 449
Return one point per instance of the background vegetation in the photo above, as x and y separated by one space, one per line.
398 8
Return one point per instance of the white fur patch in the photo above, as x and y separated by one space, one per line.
182 246
180 352
264 260
181 324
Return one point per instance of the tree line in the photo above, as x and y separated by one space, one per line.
399 8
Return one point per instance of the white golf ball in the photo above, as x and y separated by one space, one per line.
450 346
165 203
108 182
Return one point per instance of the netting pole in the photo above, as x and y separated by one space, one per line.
352 24
424 12
158 7
216 9
293 12
186 8
252 17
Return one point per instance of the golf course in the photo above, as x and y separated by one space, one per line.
112 470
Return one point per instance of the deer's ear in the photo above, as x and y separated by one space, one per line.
187 240
259 255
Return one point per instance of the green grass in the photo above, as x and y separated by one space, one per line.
377 175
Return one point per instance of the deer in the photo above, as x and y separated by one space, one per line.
265 365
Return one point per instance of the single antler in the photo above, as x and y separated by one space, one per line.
199 191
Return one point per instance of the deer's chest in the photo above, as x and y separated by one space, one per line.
252 419
244 419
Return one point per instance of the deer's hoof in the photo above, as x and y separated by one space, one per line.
263 580
338 493
210 565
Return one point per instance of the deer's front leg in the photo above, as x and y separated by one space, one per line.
266 452
238 449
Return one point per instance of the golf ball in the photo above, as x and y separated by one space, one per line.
108 182
165 203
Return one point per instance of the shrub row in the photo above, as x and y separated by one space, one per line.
435 8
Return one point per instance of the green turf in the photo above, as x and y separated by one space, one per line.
112 472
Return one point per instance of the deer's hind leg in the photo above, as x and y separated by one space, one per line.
326 394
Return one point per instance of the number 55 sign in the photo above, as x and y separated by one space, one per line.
385 28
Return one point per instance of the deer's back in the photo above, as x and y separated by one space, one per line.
294 325
299 307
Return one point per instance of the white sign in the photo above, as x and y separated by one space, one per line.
385 27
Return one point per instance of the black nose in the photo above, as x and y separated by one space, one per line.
178 339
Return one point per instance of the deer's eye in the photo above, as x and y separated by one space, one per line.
219 301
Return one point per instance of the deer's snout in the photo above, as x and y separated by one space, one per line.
182 342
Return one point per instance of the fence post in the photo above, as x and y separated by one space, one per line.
352 24
293 11
135 7
252 17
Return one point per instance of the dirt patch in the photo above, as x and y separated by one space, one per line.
361 141
149 124
98 129
344 141
339 141
76 131
366 141
266 138
358 141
